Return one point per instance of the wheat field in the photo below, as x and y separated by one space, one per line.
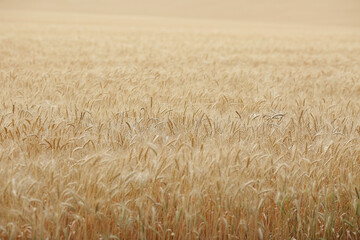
152 128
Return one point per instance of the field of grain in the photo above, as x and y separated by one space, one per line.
151 128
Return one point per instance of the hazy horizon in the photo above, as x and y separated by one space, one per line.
331 12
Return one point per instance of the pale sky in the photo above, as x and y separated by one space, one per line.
321 12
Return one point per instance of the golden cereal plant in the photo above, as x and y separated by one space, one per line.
148 130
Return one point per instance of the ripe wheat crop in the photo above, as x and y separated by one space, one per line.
147 130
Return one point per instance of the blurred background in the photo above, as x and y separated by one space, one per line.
321 12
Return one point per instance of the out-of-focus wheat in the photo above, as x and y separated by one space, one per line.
131 132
